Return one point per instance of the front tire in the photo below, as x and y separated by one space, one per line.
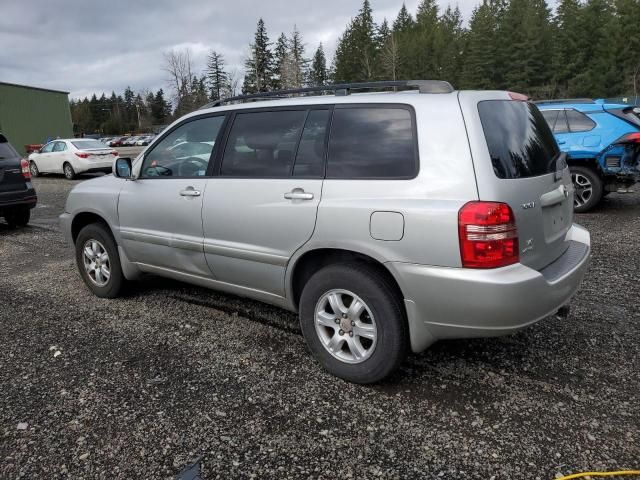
18 217
353 323
69 172
98 261
588 188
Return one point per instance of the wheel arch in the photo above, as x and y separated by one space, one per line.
310 261
83 219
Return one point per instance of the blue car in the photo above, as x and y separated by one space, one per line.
602 142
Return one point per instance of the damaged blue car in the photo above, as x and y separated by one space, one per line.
602 142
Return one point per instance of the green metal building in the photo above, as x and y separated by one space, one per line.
31 115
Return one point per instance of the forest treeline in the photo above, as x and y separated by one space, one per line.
585 48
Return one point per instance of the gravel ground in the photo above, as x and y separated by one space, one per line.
141 386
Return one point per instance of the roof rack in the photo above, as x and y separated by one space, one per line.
565 100
341 89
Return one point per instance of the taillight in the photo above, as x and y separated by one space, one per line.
114 153
488 235
82 154
628 138
24 167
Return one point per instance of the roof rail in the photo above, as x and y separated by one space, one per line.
565 100
341 89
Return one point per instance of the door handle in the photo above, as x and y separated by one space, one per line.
190 192
298 194
561 142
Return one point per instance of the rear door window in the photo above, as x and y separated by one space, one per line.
263 144
520 142
579 122
310 155
375 142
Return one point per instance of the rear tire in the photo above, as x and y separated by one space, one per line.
33 168
18 217
358 347
69 172
588 188
93 243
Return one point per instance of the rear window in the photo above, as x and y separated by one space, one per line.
88 144
6 150
372 142
520 142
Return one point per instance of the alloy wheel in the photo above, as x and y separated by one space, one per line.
583 189
345 326
96 262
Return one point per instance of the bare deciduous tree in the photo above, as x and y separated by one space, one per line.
179 65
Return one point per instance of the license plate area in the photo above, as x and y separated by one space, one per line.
556 221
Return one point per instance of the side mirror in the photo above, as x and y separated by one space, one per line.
122 168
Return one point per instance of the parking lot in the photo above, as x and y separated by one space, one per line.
142 386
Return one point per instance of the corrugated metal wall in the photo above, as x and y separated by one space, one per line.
30 115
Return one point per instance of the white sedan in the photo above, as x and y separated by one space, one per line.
71 157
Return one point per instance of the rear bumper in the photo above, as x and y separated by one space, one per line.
18 198
446 303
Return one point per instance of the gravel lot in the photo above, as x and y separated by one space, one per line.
141 386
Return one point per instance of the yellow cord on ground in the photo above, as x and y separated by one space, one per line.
600 474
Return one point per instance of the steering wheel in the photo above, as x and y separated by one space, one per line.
191 166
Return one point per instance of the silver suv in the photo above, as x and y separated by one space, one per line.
388 220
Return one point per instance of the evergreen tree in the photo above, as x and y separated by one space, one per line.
404 21
479 68
297 60
356 51
318 74
280 62
259 65
566 31
217 77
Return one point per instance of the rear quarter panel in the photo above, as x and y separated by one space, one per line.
428 203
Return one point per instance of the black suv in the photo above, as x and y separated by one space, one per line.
17 196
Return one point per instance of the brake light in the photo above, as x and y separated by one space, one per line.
24 167
82 154
629 138
518 96
488 235
114 153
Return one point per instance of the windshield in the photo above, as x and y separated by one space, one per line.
520 142
88 144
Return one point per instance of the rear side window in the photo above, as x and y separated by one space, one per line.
520 142
372 142
556 120
262 144
579 122
310 156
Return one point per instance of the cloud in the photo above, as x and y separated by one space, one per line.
86 46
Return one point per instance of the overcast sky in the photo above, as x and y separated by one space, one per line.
86 46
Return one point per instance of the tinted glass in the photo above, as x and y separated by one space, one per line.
561 123
520 142
7 151
371 142
579 122
262 144
310 156
550 117
87 144
185 152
